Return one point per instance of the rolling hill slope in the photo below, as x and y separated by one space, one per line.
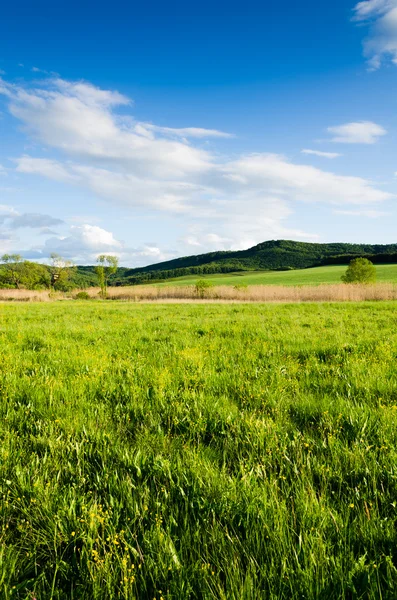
280 255
330 274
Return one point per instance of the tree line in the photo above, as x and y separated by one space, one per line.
60 275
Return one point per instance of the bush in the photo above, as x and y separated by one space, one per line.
203 287
82 296
360 270
241 287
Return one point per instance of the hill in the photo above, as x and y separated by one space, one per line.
266 258
279 255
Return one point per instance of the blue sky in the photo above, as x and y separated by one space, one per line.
158 130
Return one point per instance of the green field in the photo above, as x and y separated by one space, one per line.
314 276
182 452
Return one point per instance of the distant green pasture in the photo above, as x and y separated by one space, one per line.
314 276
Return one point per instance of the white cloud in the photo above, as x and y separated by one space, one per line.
7 238
83 240
145 255
7 242
321 154
37 70
47 231
193 132
212 240
277 175
77 119
87 93
371 214
369 9
115 186
363 132
7 211
224 203
12 219
33 221
381 42
243 201
45 167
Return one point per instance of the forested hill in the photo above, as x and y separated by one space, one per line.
272 255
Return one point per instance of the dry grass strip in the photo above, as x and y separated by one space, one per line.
256 293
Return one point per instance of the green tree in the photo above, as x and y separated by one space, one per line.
60 271
360 270
35 276
203 287
12 269
16 273
106 267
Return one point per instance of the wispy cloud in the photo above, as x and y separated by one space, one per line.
185 132
362 132
33 221
47 231
321 154
371 214
37 70
381 18
13 219
9 189
46 167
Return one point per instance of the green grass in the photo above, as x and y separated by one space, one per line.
198 452
314 276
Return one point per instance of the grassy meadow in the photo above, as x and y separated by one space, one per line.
232 452
313 276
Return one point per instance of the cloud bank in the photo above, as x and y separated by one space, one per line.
90 142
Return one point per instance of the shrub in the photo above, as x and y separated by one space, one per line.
241 287
202 287
82 296
360 270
